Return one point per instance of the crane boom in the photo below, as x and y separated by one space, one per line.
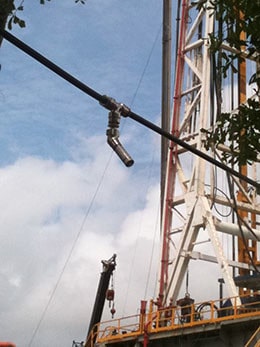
108 268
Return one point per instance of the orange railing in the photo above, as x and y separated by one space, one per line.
175 317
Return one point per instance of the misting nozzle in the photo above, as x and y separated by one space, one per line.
113 138
114 142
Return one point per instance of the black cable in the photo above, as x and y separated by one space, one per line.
240 221
178 18
215 189
250 229
192 149
111 104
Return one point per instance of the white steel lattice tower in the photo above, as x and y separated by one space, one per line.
192 189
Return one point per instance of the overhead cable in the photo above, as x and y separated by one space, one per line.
112 105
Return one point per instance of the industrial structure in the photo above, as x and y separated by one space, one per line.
208 215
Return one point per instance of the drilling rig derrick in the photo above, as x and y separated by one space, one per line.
208 215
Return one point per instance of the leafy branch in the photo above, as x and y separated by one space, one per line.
241 130
238 22
9 13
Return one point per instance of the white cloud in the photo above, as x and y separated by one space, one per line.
43 205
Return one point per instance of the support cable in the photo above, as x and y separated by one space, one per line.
68 258
83 223
112 105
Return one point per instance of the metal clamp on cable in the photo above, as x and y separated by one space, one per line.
113 138
112 105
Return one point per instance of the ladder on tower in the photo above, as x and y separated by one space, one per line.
254 340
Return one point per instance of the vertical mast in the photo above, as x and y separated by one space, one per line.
166 88
170 173
242 244
247 251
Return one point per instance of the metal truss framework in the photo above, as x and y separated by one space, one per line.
191 191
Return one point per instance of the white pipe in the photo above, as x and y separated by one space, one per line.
233 229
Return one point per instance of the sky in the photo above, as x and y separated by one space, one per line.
67 202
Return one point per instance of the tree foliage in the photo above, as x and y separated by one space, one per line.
9 12
238 26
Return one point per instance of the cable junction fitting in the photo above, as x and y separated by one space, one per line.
113 137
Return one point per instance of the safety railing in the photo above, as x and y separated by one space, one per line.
127 326
176 317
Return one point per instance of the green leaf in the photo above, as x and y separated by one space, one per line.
9 24
21 23
15 19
